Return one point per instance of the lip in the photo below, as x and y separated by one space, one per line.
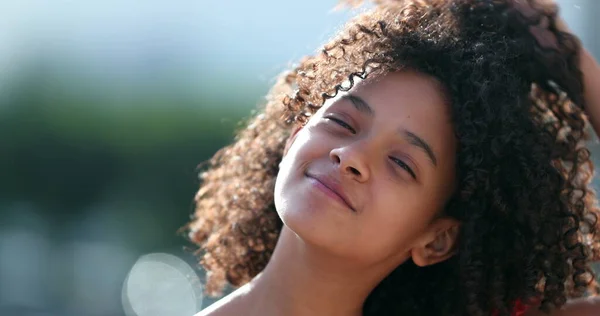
334 188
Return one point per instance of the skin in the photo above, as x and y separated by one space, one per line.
294 284
393 217
396 193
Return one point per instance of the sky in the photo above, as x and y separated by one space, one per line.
125 41
127 36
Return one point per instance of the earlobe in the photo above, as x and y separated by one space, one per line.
438 244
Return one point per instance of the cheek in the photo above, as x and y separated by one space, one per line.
301 145
291 169
397 218
307 146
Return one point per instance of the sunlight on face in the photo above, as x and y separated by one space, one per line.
370 170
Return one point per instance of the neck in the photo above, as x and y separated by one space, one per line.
300 280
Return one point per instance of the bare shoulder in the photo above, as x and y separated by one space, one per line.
220 308
232 304
589 306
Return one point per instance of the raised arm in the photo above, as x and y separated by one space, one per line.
589 306
591 86
588 65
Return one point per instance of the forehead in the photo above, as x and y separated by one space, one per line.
398 88
402 93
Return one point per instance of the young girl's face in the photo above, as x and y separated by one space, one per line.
367 177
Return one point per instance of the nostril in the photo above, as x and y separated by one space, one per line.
354 171
336 159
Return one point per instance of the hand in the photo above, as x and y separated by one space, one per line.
545 37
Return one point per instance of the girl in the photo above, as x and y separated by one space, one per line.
429 160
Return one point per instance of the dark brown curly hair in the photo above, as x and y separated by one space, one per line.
528 213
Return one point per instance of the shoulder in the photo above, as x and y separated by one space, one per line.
220 307
232 304
589 306
223 307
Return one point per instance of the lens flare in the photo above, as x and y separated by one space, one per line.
161 284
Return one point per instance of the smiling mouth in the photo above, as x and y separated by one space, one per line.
330 190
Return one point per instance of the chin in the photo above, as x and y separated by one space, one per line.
315 219
314 229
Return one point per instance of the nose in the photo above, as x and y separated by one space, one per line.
352 161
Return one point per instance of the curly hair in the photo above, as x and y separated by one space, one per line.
527 210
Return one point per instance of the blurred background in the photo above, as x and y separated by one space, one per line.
106 109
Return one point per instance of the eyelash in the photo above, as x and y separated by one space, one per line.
404 166
397 161
342 124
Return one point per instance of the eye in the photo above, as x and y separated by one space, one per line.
342 124
404 166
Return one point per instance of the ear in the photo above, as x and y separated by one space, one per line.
438 243
291 139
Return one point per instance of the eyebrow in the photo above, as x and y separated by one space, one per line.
363 107
419 142
359 104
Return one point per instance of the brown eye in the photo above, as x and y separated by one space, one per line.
404 166
342 124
